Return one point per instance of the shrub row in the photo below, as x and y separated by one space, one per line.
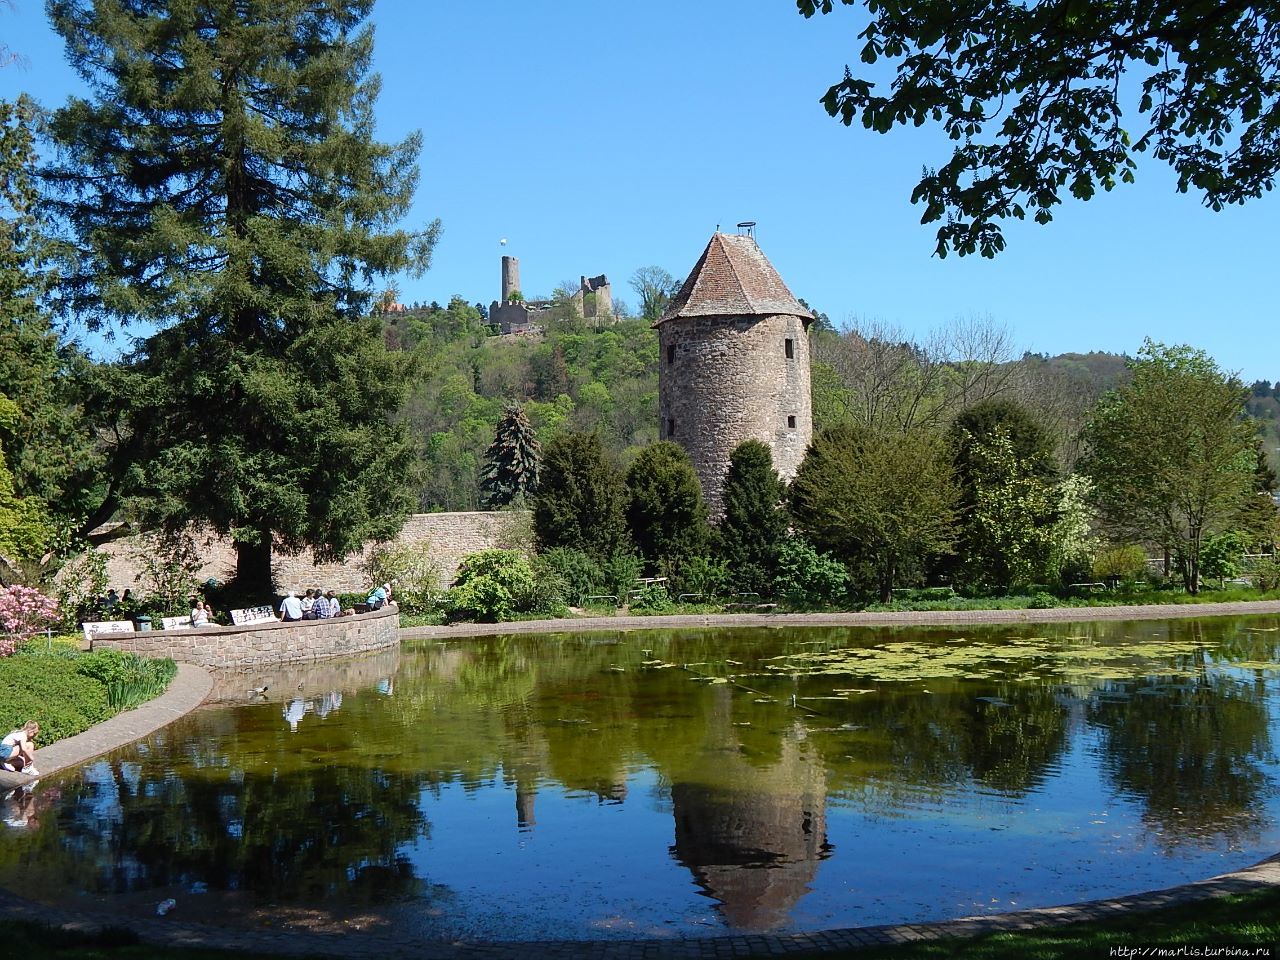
67 692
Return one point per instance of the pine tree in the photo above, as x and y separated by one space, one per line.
512 462
754 525
225 189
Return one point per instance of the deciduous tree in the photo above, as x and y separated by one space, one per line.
1042 98
1004 469
1172 455
655 288
879 499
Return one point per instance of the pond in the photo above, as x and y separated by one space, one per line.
683 783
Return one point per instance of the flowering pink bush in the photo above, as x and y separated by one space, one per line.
24 612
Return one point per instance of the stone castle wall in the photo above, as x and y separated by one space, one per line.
451 536
263 643
723 380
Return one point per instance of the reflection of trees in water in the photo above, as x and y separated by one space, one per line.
305 831
899 742
1193 752
320 815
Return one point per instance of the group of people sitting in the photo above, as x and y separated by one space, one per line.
312 605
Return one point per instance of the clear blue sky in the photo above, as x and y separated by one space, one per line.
603 137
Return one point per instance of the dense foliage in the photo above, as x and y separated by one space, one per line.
1172 455
665 511
222 183
67 692
581 499
879 500
1060 95
573 376
512 461
754 524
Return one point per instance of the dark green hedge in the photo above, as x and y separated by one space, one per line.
67 692
49 690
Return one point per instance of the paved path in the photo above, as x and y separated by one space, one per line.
186 692
390 943
1164 611
192 684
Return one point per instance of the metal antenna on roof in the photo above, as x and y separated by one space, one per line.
747 228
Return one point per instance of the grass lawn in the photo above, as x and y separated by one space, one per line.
1251 919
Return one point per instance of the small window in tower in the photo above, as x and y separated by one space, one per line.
791 421
671 354
791 349
671 428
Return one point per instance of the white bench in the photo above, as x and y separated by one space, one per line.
91 630
174 623
252 615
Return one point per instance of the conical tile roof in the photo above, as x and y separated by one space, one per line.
733 278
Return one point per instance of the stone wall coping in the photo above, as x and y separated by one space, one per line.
254 644
226 631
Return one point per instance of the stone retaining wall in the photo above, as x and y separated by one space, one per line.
451 537
279 683
264 643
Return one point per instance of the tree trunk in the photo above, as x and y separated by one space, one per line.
886 584
253 565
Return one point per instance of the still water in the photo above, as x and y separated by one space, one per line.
683 783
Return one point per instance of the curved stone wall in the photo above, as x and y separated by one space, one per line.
723 380
263 643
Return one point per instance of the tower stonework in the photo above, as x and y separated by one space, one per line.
510 277
733 355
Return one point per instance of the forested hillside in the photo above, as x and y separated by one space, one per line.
573 376
1264 404
576 375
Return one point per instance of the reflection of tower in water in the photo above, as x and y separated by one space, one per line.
751 835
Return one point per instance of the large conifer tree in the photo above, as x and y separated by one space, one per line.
512 462
226 190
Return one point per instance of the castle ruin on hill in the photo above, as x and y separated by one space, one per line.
733 364
592 300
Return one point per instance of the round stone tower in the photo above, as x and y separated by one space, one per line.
734 364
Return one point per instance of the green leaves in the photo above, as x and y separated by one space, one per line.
224 186
1052 76
876 497
1172 454
665 512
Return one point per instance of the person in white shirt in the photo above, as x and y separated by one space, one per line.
308 601
290 608
199 615
18 749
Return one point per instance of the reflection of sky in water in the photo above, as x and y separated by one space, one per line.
557 787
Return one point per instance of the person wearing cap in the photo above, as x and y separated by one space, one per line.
335 605
290 608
